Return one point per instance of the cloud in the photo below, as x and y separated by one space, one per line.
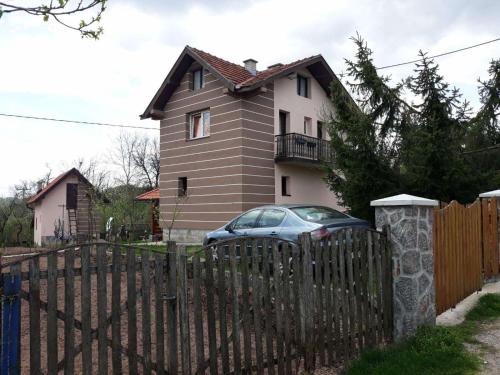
50 71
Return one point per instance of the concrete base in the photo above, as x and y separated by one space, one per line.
185 236
456 315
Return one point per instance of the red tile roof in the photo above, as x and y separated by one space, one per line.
238 75
149 195
54 183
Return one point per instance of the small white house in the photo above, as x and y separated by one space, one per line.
64 210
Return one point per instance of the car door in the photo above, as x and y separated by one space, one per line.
269 223
245 224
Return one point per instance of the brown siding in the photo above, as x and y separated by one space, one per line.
87 219
213 197
258 133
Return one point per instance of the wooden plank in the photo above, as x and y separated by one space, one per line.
344 298
159 317
245 286
198 317
287 307
210 287
146 312
320 313
34 306
256 303
266 293
278 305
171 296
378 279
337 293
329 341
132 310
69 312
350 290
182 295
86 302
102 310
52 339
307 293
387 284
363 275
494 236
357 288
115 310
235 307
371 311
297 304
221 292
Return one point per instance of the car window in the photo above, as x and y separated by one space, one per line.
247 220
271 218
318 214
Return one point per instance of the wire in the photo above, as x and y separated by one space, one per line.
439 55
77 122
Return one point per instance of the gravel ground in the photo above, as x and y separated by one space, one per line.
488 347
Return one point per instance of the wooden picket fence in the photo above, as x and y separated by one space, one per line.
466 250
239 306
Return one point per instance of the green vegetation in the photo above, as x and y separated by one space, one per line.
434 146
433 350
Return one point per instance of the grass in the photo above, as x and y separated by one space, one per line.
432 350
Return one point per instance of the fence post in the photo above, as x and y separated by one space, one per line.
494 195
409 221
307 292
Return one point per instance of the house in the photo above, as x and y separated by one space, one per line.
153 197
233 138
64 210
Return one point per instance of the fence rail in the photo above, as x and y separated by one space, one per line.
245 306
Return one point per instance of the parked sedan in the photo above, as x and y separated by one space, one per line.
285 222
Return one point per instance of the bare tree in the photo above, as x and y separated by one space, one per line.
177 210
62 11
146 158
123 157
92 171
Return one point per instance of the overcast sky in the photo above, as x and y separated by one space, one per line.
50 71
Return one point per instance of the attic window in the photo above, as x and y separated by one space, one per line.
197 79
302 86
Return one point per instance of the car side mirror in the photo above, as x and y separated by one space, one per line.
229 228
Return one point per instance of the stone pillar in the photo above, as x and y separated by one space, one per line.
410 227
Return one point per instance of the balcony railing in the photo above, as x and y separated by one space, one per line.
300 147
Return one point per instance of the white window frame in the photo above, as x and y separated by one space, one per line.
205 124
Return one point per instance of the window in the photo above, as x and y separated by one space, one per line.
285 186
247 220
199 125
318 214
307 126
302 86
182 186
271 218
283 122
197 79
320 129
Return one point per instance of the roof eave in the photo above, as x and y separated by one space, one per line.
187 51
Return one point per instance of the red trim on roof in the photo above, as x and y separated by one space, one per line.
149 195
56 181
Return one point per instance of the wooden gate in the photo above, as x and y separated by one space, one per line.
239 306
466 250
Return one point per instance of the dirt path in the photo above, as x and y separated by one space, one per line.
488 347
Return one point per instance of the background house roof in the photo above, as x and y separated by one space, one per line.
56 181
235 77
149 195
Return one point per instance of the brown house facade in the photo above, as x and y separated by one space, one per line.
233 138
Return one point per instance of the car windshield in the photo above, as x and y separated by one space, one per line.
318 214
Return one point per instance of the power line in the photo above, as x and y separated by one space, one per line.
441 54
77 122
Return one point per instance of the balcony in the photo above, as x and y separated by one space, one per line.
302 148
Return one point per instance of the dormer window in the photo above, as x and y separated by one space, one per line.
198 79
302 86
